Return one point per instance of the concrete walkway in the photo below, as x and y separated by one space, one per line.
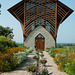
50 65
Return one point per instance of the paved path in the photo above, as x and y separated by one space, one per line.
51 66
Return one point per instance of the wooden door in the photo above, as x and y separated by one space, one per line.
40 44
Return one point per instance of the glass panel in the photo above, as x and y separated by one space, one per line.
39 36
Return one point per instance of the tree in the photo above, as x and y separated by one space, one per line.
6 31
0 5
0 10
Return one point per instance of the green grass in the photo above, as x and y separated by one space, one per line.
20 45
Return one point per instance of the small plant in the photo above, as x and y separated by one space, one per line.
36 57
40 50
42 55
44 72
43 61
37 52
32 68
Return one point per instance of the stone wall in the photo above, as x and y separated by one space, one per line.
49 40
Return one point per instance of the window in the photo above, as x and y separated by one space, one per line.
39 36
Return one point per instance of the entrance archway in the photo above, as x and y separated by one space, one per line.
40 42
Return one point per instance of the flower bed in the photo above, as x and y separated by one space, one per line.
64 58
15 50
12 58
7 62
32 68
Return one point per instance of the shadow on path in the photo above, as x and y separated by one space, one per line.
49 66
28 62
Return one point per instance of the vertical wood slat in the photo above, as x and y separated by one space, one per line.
35 12
24 26
45 13
55 22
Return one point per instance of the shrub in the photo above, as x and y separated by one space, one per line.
48 49
2 49
36 57
6 43
29 50
43 61
15 50
21 56
7 62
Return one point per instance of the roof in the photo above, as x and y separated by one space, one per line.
63 12
62 6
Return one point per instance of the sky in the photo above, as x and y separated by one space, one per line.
66 31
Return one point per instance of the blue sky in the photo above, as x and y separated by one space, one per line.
66 32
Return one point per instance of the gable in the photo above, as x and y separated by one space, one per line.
40 13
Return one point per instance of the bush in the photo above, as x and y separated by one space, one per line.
7 62
21 56
2 49
3 38
48 49
15 50
6 43
29 50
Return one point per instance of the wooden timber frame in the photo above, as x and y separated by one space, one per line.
46 13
